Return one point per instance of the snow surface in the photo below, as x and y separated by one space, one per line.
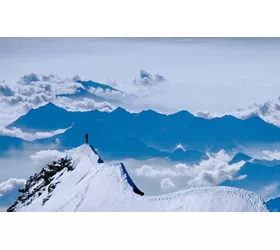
94 186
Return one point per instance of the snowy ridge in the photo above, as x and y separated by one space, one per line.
94 186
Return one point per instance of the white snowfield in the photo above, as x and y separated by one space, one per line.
94 186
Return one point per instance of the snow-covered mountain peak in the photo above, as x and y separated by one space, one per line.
84 150
81 181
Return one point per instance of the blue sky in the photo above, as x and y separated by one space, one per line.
217 74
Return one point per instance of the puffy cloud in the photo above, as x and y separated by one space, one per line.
29 78
34 90
46 156
10 184
17 132
270 191
105 92
76 78
269 111
9 191
151 172
127 100
34 99
84 104
270 155
49 84
167 183
209 172
146 79
205 114
5 90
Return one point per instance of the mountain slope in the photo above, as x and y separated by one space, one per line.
45 118
90 185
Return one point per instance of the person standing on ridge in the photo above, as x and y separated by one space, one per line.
86 135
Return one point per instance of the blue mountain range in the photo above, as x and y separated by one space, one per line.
148 134
257 176
240 157
273 204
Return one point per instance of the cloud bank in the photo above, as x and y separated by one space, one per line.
9 191
17 132
35 90
178 176
167 183
44 157
270 191
5 90
146 79
84 104
270 155
269 111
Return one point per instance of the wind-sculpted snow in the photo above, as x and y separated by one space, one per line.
93 186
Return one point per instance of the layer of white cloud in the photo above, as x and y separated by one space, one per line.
269 111
84 104
16 132
270 155
209 172
35 90
44 157
203 73
9 192
10 184
270 191
151 172
5 90
147 79
167 183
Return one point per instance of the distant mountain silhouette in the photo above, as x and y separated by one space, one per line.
257 176
267 163
92 84
240 157
10 143
148 133
189 156
45 118
273 204
243 157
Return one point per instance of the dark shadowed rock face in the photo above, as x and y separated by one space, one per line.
40 182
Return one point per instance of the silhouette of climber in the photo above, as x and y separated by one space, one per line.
86 135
